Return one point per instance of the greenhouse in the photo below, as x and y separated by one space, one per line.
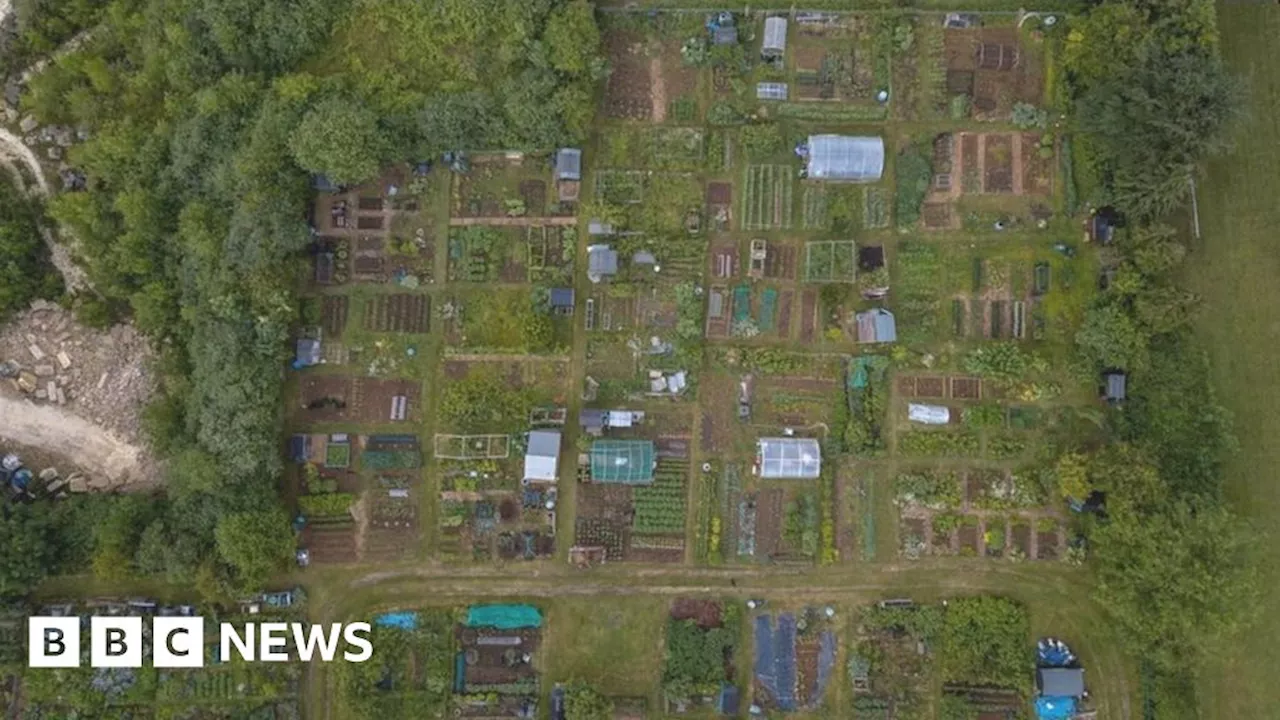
845 158
789 457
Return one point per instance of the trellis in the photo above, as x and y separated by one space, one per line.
472 447
830 261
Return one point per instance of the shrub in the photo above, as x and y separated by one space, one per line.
914 173
1027 116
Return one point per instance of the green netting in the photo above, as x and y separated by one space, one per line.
862 368
390 459
741 303
629 462
504 617
768 302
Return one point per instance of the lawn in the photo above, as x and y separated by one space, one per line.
615 643
1234 269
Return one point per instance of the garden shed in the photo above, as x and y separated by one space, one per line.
1114 386
789 458
562 299
845 158
307 353
876 326
542 457
723 29
1103 224
568 164
623 462
775 38
1060 682
602 262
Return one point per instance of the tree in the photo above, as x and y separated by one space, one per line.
256 543
25 270
1110 339
984 642
583 702
457 121
1154 120
27 535
340 139
573 38
1155 249
1176 581
1164 309
1072 471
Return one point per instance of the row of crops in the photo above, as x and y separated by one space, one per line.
660 507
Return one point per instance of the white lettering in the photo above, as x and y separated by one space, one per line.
274 635
243 645
356 634
315 636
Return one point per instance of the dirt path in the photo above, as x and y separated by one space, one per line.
82 442
12 150
658 90
522 221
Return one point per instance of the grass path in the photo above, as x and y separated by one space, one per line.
1235 269
1056 596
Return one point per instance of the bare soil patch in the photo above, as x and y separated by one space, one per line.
334 314
769 506
627 92
930 387
780 262
371 400
785 299
968 388
398 313
808 315
324 398
998 164
706 613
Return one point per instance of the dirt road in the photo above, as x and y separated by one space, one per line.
83 443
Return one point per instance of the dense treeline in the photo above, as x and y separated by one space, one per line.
25 271
1174 565
206 118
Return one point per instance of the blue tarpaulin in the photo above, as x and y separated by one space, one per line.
402 620
826 662
1055 708
504 617
786 661
765 667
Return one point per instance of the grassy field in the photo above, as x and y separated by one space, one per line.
1235 270
614 645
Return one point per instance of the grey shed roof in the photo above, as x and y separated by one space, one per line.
845 157
544 443
591 418
725 35
602 260
877 326
542 455
1060 682
599 227
568 164
789 457
308 352
1115 386
775 36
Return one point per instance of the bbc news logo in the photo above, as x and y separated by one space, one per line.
178 642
